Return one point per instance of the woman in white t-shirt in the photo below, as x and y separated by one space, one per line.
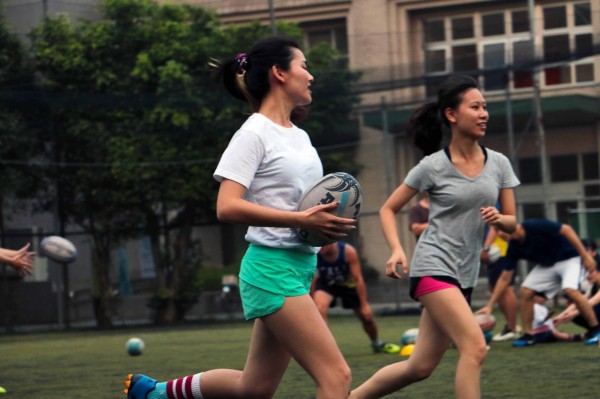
263 172
464 181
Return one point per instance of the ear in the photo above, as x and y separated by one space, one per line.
278 73
450 115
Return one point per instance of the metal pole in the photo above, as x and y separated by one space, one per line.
387 153
272 16
537 109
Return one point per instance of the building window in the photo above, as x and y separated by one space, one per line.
563 168
530 171
583 14
332 32
474 43
592 195
462 28
434 31
493 24
533 211
590 166
562 210
494 64
435 61
520 21
555 17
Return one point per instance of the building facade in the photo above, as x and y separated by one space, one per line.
528 56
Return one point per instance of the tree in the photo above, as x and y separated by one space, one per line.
138 126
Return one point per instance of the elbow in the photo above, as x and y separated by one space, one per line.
224 214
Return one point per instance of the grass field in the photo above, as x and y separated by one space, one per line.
91 364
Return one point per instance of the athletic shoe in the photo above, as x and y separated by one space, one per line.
506 335
387 348
593 340
2 390
137 386
525 340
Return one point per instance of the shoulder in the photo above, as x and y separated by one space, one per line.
497 156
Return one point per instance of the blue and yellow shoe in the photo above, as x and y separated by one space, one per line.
137 386
387 348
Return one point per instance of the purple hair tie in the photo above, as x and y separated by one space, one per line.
242 62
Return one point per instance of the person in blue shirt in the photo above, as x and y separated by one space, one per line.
339 275
558 254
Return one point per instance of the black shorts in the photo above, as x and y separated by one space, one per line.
493 274
348 295
582 322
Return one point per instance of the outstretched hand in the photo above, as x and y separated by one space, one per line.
22 260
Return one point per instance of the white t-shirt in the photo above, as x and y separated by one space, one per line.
276 164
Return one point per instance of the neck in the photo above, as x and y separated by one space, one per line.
277 109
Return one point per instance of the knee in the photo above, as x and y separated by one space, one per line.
336 378
477 352
421 372
526 293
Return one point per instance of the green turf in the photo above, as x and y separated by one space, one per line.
92 364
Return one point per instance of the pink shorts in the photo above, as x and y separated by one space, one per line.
429 284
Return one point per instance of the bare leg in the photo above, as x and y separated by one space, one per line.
446 318
584 307
298 330
527 309
508 306
365 314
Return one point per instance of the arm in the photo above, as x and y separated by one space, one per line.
21 259
387 214
505 221
355 270
489 239
502 284
571 311
587 259
232 207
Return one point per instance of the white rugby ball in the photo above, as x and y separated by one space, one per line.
341 187
59 249
494 253
487 322
410 336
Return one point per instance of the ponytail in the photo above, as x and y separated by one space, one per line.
426 123
425 127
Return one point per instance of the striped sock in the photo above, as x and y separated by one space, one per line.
183 388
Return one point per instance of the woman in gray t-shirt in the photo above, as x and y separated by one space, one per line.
464 181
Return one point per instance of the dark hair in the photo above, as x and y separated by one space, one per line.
589 244
246 77
425 124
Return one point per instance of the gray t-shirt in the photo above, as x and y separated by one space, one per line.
451 245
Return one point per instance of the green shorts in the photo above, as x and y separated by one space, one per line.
268 275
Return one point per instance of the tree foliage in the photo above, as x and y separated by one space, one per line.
136 125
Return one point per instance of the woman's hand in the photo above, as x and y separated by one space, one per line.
321 221
398 258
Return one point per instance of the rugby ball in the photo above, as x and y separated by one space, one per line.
58 249
135 346
487 322
409 336
494 253
341 187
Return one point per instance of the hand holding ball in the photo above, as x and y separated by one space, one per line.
334 187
